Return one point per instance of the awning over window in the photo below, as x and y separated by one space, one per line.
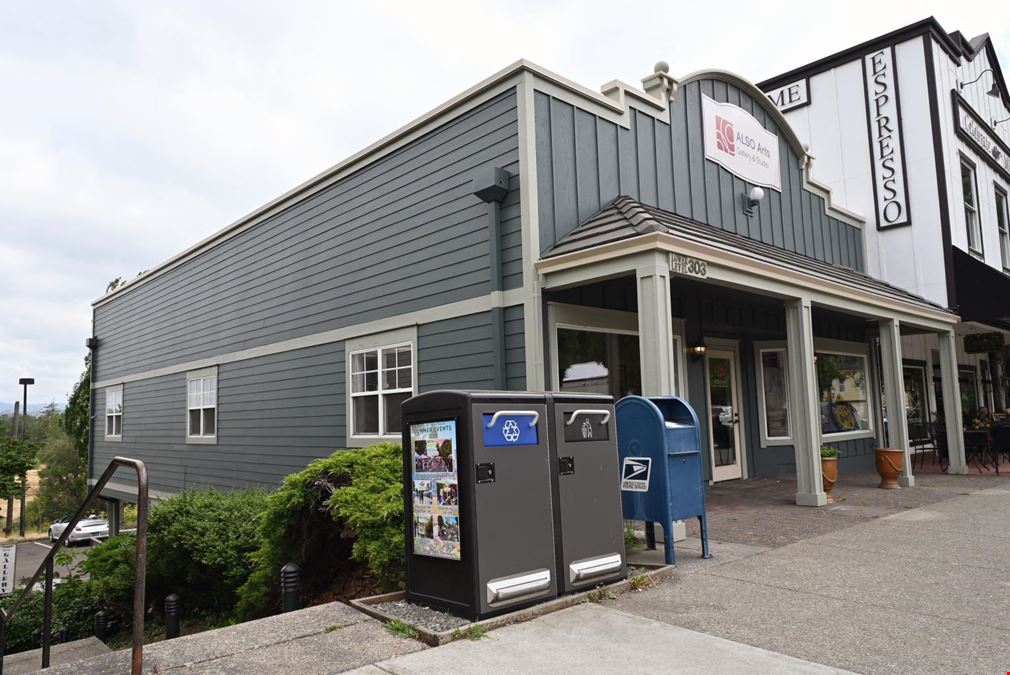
983 293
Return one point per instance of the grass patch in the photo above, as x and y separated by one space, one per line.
475 631
630 540
397 627
599 595
641 581
333 628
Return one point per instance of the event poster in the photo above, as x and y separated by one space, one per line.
436 489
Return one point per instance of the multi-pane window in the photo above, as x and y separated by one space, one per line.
971 206
201 404
381 379
1003 220
114 412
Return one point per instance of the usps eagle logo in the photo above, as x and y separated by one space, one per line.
725 138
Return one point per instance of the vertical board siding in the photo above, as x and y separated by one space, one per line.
584 162
275 414
456 353
401 234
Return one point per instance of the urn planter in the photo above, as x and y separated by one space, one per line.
890 462
829 474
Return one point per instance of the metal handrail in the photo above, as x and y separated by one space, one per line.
139 567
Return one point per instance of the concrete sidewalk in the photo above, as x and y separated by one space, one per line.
595 639
926 590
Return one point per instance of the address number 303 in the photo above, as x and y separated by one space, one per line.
691 267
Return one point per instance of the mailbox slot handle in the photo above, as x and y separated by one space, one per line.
526 413
604 413
514 588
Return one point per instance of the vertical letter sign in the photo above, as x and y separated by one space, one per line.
436 489
887 151
8 554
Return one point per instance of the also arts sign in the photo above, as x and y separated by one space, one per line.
883 114
735 140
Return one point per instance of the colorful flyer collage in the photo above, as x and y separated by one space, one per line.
436 489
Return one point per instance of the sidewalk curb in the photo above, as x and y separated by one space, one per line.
657 574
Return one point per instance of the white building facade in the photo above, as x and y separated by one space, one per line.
911 130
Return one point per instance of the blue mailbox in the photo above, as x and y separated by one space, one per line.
659 442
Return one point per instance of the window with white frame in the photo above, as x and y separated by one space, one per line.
114 412
381 379
201 404
1003 221
775 394
970 195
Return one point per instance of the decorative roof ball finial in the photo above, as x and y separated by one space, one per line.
661 67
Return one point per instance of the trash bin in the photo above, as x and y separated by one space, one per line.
588 527
659 441
477 501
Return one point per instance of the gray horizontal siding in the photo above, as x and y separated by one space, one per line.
584 162
456 353
275 415
515 349
401 234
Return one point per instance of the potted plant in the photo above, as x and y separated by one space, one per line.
829 470
890 462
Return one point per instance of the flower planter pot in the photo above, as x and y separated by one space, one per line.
829 474
890 462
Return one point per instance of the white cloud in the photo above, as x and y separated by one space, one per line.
132 131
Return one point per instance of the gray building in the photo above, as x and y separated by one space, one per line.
533 234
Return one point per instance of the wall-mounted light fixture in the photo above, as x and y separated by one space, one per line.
994 91
996 122
751 199
696 351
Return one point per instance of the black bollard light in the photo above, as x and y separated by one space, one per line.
290 581
173 606
35 641
103 623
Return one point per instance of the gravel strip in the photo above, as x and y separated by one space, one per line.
421 616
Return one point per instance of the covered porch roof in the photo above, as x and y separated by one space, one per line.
608 243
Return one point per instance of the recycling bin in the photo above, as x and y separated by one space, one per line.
659 441
477 500
588 527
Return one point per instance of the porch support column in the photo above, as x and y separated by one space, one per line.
655 326
806 420
894 391
952 403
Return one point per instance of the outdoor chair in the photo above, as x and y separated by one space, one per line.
940 446
1001 440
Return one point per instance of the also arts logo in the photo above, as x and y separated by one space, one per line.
725 139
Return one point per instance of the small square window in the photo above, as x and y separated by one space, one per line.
381 380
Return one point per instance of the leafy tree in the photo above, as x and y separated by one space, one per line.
17 458
62 480
77 414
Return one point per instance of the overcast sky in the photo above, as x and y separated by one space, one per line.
131 130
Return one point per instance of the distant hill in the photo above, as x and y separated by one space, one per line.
33 408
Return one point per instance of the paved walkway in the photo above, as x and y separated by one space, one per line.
924 590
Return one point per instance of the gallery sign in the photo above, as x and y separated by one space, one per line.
735 140
887 150
975 132
983 343
791 96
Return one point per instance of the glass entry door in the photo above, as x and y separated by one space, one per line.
724 414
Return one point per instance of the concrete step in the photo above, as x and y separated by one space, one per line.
67 652
323 639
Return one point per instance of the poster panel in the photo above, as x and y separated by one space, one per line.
435 489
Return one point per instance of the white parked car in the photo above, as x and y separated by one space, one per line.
89 527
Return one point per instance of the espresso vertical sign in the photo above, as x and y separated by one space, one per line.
883 114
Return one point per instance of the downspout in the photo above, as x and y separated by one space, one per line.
491 186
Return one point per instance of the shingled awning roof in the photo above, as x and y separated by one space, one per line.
626 218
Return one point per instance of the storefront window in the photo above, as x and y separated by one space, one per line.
775 389
968 382
844 392
599 362
915 402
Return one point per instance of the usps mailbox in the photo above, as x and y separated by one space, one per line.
477 499
588 527
659 441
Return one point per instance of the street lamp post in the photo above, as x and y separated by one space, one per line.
24 382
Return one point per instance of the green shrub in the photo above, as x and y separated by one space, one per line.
75 604
200 546
828 452
347 504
